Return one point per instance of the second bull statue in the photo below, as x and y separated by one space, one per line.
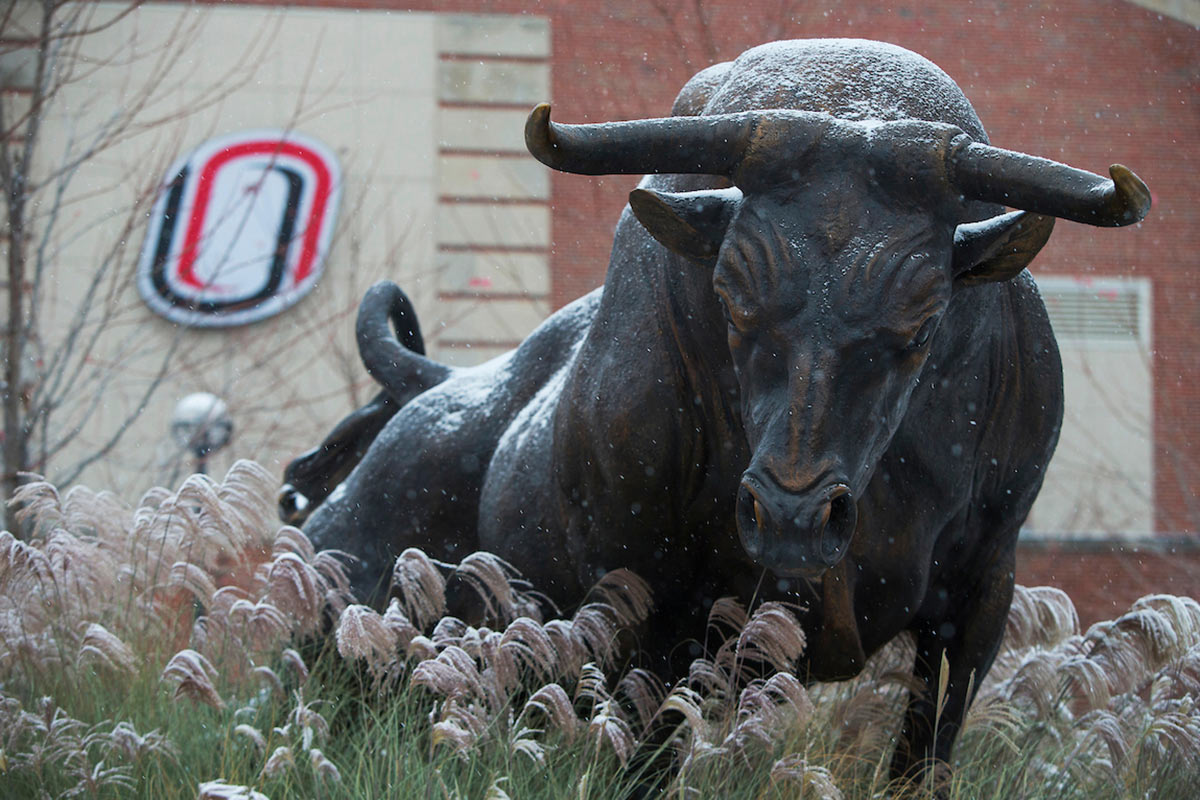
817 370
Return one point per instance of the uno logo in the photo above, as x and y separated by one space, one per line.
241 228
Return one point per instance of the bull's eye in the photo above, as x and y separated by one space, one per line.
923 334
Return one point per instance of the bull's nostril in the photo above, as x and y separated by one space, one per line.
842 519
760 516
839 507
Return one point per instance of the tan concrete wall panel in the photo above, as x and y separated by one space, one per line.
483 320
1100 480
494 273
497 130
494 35
470 355
491 177
505 226
488 82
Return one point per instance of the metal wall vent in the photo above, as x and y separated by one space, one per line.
1108 311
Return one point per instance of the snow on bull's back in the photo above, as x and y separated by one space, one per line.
851 79
475 396
450 405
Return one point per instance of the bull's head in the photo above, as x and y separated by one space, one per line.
834 257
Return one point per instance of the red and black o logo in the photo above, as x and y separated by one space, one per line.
241 229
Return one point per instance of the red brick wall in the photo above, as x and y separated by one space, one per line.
1104 578
1088 82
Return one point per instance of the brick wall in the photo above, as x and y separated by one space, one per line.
1088 82
1104 578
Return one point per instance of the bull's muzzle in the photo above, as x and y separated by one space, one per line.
795 534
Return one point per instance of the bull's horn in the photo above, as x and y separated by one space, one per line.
1035 184
720 144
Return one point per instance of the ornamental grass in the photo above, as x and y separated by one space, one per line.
189 646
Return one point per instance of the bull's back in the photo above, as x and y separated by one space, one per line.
419 485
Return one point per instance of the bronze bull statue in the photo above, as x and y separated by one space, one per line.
817 370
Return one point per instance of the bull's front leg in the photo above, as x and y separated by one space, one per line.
967 633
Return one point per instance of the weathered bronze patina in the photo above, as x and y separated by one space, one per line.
817 370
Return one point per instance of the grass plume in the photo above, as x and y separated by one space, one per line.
177 649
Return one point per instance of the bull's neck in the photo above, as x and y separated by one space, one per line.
683 332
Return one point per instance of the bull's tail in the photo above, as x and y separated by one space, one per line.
396 360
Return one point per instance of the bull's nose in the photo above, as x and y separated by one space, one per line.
795 532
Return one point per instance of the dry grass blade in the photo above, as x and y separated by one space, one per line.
125 738
626 594
592 686
570 653
727 617
38 502
420 586
1108 728
363 634
1036 681
451 630
452 674
296 662
552 703
1182 612
292 540
245 492
193 578
769 711
396 621
297 590
271 679
100 644
608 727
689 704
815 781
1087 680
331 564
595 631
531 646
460 727
774 635
1040 616
19 560
502 673
644 691
253 734
490 577
194 674
281 761
322 767
709 678
1156 634
311 723
421 648
495 792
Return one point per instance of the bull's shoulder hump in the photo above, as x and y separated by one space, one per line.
854 79
544 350
695 94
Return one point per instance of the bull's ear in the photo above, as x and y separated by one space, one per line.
999 248
691 224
